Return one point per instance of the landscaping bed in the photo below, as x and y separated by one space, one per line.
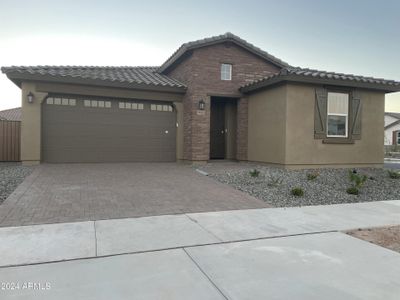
319 187
388 237
11 175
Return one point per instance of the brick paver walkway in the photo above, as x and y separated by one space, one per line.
75 192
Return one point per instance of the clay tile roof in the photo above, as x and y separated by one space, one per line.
13 114
393 114
323 77
227 37
123 76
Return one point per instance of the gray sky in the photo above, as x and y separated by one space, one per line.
354 36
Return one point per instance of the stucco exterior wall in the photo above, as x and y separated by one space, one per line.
31 124
303 149
267 126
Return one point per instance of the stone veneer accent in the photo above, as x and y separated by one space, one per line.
199 70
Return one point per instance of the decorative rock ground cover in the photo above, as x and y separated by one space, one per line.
11 175
274 185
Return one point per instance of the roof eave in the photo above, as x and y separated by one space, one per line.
321 81
392 124
18 78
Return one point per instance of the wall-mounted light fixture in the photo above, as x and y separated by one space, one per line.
30 97
202 105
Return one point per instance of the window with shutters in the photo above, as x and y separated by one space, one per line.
337 115
398 137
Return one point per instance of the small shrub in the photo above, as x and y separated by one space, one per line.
297 191
353 190
254 173
312 175
356 179
394 174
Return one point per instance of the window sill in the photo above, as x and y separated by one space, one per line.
337 141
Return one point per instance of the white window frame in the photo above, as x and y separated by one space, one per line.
226 71
336 114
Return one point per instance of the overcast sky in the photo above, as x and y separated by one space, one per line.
351 36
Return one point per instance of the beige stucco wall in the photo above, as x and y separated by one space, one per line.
267 126
31 112
31 124
281 130
108 92
302 148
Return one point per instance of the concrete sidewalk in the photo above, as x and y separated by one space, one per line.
277 253
66 241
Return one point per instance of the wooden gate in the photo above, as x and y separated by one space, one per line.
10 140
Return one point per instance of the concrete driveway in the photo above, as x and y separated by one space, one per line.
56 193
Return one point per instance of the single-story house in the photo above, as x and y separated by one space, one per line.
12 114
215 98
392 128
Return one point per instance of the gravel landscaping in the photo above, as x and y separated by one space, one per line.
11 175
274 185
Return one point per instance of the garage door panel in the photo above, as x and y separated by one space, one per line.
86 134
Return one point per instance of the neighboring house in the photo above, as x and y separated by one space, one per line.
216 98
13 114
392 128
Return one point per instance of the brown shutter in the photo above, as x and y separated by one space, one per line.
355 115
320 113
394 138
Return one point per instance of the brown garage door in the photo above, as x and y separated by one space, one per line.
101 130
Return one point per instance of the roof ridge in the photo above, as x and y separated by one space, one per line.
226 36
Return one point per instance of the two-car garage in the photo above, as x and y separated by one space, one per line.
91 129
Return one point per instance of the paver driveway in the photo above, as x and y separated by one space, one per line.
76 192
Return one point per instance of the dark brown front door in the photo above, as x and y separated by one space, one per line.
217 130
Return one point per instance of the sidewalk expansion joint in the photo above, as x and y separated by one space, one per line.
202 227
168 248
205 274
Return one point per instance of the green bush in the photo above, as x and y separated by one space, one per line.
254 173
353 190
312 175
297 191
357 181
394 174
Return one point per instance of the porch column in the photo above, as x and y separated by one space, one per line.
31 124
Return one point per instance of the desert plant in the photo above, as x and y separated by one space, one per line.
394 174
353 190
254 173
297 191
312 175
357 181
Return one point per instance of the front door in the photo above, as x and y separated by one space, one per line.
217 130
